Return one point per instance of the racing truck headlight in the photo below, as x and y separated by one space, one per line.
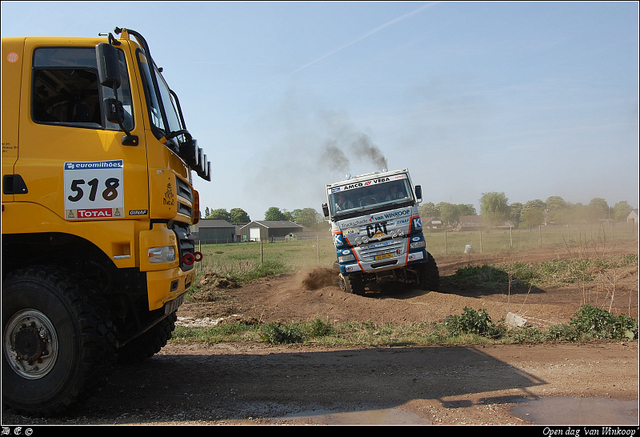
163 254
345 258
418 244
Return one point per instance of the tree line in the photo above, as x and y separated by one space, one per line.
494 209
307 217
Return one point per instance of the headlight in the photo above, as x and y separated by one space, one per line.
418 244
164 254
346 258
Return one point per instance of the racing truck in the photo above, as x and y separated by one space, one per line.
377 232
97 204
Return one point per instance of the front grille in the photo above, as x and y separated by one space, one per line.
186 243
368 253
185 198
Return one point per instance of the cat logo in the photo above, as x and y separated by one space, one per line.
377 230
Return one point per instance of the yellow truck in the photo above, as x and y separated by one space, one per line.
97 203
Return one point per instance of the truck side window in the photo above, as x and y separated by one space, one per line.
65 89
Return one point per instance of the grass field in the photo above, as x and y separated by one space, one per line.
244 261
502 240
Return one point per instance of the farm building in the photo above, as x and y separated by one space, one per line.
470 223
268 230
432 223
209 231
633 217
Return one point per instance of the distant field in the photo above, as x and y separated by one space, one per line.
240 259
492 241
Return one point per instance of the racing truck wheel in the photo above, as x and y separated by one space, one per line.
429 275
57 349
351 284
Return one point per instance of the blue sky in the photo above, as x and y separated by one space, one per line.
531 99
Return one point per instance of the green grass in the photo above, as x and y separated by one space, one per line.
520 239
248 261
470 327
555 272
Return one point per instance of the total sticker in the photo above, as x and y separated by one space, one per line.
93 190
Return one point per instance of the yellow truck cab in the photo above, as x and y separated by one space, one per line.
97 201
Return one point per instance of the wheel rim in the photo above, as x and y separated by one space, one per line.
30 344
342 282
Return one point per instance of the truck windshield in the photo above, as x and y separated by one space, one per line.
167 121
368 197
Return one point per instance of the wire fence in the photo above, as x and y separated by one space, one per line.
517 239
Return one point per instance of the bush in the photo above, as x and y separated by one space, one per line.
278 334
472 322
563 333
601 324
320 328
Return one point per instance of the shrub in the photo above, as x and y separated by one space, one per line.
472 322
320 328
275 333
601 324
563 333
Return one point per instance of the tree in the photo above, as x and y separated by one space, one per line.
555 203
515 212
238 215
307 217
621 211
274 214
467 209
428 209
448 212
219 214
532 216
207 212
494 208
598 209
532 213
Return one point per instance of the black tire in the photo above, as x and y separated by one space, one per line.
351 284
429 275
149 343
57 347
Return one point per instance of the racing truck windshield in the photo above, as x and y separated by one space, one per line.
164 110
369 197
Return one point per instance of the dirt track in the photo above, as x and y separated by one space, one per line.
260 384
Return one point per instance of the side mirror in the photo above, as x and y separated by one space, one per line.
108 65
419 193
114 111
325 210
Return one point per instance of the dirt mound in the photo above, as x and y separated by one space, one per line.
315 293
209 284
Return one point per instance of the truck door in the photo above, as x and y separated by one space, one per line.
70 157
12 59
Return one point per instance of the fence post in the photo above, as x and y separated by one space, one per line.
445 242
540 233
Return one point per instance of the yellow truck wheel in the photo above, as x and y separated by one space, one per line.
56 343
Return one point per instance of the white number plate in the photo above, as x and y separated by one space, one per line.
93 190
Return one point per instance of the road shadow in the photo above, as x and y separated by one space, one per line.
236 386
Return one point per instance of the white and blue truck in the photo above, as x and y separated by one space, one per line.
377 232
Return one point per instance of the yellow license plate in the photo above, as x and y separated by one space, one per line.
386 255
